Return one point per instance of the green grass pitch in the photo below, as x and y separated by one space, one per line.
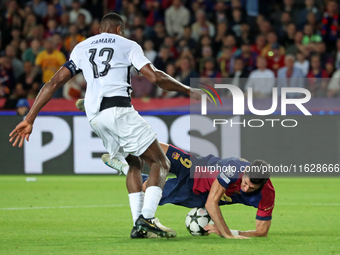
91 215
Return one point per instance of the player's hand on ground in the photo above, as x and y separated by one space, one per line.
211 228
197 94
21 132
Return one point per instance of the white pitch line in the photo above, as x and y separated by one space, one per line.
59 207
98 206
317 204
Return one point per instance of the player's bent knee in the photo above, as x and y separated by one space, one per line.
164 168
166 164
135 162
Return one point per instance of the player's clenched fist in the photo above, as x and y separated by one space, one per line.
21 132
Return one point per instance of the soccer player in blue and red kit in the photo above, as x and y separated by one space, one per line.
229 181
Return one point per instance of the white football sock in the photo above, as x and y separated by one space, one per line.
136 204
126 170
152 196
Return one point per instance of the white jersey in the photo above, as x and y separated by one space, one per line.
105 61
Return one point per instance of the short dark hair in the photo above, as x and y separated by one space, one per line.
291 23
141 27
258 172
209 60
112 19
315 55
237 9
163 46
246 43
239 59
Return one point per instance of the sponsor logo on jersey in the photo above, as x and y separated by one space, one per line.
175 155
225 178
228 172
269 208
226 198
244 160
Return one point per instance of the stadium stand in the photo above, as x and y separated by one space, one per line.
188 39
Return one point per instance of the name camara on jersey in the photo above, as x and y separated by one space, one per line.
104 40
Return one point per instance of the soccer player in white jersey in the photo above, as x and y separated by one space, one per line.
105 61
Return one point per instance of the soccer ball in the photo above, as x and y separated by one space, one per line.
196 220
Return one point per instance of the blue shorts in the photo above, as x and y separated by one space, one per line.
178 191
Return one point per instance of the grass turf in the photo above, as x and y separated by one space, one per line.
90 215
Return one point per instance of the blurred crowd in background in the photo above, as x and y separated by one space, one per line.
235 39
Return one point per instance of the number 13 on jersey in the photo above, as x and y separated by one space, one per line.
93 52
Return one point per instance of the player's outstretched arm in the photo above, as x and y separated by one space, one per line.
262 228
23 130
166 82
214 211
